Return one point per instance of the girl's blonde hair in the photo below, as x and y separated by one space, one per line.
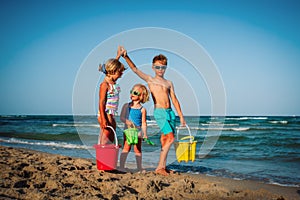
112 66
145 92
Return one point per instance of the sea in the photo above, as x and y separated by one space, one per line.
260 148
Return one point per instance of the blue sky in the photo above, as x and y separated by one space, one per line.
254 44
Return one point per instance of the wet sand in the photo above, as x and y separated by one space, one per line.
27 174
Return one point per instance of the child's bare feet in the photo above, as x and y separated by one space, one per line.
124 169
162 171
170 171
142 171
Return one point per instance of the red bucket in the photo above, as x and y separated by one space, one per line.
107 154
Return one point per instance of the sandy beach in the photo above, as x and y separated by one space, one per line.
27 174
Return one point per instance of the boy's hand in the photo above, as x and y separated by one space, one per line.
182 121
123 51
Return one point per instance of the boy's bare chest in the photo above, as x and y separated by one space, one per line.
159 85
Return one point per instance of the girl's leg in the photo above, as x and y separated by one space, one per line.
112 123
124 154
107 135
138 154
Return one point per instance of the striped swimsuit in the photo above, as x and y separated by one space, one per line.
112 96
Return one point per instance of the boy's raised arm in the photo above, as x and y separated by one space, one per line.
132 66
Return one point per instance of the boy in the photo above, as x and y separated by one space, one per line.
162 92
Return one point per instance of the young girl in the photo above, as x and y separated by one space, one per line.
134 115
109 97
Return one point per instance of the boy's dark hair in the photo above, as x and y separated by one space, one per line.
161 58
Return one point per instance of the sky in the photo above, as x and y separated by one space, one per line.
254 47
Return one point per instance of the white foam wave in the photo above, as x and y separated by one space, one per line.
241 129
216 128
53 144
151 121
246 118
76 125
285 185
279 122
215 123
219 124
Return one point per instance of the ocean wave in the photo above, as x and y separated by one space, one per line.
283 184
232 138
240 129
220 124
48 137
14 116
227 129
76 125
246 118
217 128
279 122
52 144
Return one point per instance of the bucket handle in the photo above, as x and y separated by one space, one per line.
187 137
115 135
190 135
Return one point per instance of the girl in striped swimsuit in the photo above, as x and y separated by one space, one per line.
109 97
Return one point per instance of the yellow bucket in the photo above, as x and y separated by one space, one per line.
185 148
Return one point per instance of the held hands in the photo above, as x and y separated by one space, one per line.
121 52
124 52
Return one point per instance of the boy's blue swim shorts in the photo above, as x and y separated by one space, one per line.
165 119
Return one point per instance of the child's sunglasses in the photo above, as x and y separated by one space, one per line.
135 93
160 67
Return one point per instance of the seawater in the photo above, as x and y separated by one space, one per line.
263 148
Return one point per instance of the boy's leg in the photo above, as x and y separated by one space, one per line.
165 119
166 141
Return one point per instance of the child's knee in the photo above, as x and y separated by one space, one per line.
170 138
126 149
137 150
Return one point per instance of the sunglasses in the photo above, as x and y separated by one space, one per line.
160 67
135 93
